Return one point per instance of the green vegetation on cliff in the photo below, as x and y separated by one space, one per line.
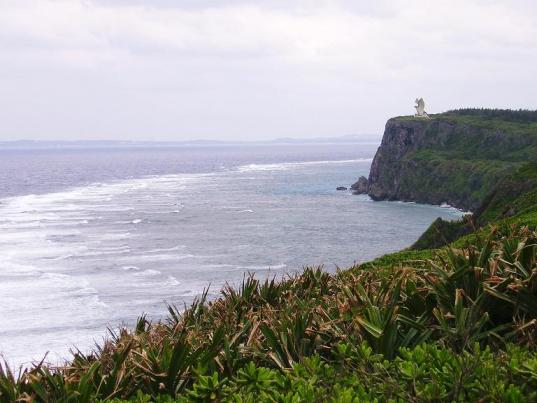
512 201
458 157
506 115
453 323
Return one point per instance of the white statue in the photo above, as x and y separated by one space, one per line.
420 108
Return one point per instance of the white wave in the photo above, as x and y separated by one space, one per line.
78 198
103 252
131 268
288 165
263 167
47 291
215 266
28 252
112 236
118 248
172 281
147 273
268 267
62 257
8 268
159 250
165 256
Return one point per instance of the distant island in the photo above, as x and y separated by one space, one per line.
50 144
453 318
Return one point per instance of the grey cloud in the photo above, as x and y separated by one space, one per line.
253 70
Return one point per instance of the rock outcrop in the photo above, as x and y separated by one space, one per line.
361 186
443 160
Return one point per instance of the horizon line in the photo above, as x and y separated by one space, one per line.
348 137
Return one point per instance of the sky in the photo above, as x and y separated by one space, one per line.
254 70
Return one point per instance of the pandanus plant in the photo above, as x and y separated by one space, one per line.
490 290
385 311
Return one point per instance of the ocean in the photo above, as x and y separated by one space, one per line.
93 237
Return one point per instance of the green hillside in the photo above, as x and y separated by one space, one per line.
513 200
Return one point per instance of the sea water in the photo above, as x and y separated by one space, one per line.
92 237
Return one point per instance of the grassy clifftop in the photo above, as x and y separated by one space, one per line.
508 120
457 157
453 323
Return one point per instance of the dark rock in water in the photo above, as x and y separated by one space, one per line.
341 188
361 186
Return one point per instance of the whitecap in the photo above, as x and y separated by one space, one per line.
63 257
288 165
147 273
268 267
173 248
114 236
166 256
262 167
172 281
131 268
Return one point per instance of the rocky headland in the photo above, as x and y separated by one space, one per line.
457 157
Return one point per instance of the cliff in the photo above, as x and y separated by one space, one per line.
455 157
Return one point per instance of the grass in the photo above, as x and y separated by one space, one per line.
513 123
505 137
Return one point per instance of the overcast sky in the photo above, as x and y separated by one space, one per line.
253 70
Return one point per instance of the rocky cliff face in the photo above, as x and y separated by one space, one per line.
439 161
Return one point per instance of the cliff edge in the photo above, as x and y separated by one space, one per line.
457 157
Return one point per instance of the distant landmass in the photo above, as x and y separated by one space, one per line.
351 138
